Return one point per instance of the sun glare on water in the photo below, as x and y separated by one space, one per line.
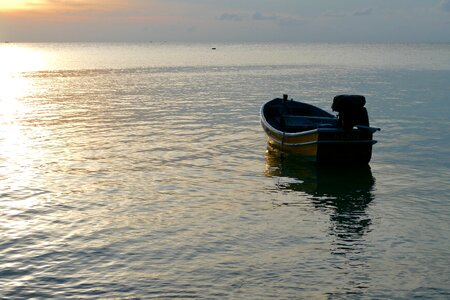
15 87
18 152
14 61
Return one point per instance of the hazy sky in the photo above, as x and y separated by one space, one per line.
226 20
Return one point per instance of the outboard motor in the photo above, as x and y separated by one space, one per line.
351 111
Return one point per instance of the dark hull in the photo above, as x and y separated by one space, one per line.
316 136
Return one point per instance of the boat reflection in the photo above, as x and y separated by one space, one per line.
344 192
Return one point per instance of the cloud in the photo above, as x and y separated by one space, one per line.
284 21
363 12
230 17
230 20
445 5
354 13
291 22
257 16
334 14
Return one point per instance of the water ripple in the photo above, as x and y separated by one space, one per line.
153 181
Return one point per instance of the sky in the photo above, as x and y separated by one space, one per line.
225 20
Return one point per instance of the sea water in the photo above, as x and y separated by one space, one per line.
140 171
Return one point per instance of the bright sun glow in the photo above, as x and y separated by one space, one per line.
16 59
13 4
17 151
14 62
19 4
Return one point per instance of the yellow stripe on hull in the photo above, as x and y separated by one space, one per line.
292 139
309 149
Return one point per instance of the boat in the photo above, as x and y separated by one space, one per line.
303 129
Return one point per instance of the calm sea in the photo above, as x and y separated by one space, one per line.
140 171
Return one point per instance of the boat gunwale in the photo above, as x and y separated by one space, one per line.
306 132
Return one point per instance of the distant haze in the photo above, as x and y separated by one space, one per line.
225 20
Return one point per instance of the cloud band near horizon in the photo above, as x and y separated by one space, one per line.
214 20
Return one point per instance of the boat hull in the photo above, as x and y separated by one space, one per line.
325 145
328 145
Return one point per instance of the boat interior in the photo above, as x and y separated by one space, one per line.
292 116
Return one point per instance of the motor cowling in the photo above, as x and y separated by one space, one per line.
351 111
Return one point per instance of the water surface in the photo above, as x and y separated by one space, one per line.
141 171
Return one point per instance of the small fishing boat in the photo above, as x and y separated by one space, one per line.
317 135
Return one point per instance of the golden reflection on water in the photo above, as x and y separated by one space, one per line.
15 58
14 61
17 150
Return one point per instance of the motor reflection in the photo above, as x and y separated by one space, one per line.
342 191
